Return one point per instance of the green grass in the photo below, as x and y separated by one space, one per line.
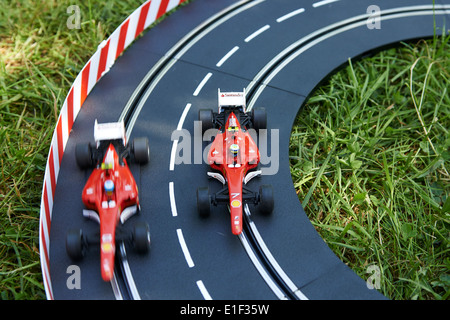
378 198
370 163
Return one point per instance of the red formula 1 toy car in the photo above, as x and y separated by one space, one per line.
110 195
234 156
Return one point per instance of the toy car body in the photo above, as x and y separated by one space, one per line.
234 156
110 194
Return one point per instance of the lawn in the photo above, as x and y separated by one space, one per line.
370 162
369 155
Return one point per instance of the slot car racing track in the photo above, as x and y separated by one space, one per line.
280 51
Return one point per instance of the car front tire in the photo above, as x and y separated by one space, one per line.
75 244
141 150
266 201
203 202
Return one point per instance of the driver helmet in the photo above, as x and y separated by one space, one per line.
109 187
234 148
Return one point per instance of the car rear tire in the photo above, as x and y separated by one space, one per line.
83 155
206 117
141 150
141 237
75 244
259 118
203 202
266 201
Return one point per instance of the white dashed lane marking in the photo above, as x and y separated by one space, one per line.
203 290
173 205
322 3
257 33
290 15
185 249
227 56
200 86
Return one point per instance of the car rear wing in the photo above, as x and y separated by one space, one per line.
231 99
109 131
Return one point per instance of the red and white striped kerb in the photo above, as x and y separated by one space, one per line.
107 53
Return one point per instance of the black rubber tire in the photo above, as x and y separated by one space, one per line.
203 202
206 117
75 244
266 200
259 118
83 155
141 237
141 150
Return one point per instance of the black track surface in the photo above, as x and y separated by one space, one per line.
219 259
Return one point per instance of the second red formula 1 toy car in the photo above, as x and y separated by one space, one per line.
110 194
234 156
